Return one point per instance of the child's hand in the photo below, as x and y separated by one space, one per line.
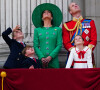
31 67
16 28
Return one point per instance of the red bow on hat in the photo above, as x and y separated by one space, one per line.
81 53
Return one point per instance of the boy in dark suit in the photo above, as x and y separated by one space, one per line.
30 62
16 45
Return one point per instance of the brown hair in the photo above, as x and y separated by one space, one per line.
24 50
51 16
80 36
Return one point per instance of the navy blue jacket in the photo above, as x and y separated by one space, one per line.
29 62
15 57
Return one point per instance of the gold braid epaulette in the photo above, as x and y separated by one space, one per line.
78 26
68 28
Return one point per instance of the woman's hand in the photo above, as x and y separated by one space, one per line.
48 59
44 62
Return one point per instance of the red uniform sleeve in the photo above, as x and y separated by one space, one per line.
93 36
66 39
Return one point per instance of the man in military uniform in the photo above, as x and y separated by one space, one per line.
79 26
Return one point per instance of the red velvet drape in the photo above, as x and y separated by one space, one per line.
52 79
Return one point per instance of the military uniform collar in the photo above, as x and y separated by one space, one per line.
77 19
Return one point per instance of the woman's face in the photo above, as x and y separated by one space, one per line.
46 14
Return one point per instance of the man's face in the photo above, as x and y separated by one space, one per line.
74 8
29 51
18 34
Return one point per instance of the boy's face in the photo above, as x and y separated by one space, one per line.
29 51
78 40
18 34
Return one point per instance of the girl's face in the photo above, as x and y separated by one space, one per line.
47 14
78 40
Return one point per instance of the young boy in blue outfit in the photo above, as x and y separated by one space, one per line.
16 45
30 62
